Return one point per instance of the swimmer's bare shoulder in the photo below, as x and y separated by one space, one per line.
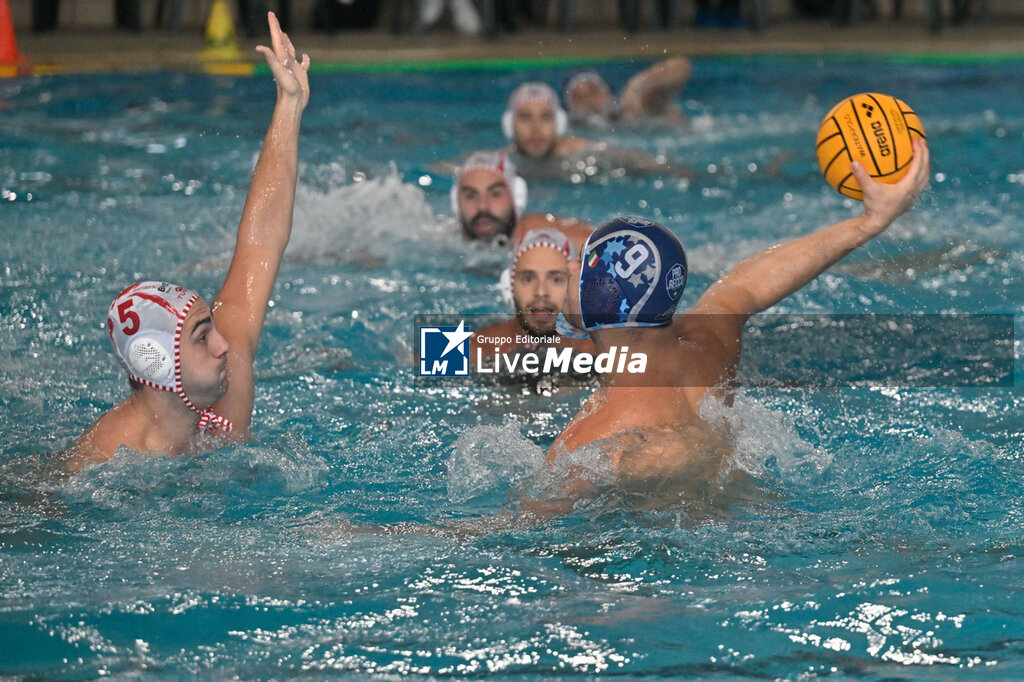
704 354
663 463
115 428
614 410
125 425
571 145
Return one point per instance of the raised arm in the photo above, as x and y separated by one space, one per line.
653 90
265 227
763 280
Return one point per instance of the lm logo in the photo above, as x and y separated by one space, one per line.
444 351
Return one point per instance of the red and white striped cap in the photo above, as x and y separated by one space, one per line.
540 237
144 323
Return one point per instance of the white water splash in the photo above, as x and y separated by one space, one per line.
487 459
369 219
760 434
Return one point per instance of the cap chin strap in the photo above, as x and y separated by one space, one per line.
567 330
207 416
208 419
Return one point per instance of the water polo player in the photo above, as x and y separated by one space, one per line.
534 286
537 129
537 126
190 364
488 196
489 199
623 291
649 96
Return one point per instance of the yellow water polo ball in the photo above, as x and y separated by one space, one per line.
874 129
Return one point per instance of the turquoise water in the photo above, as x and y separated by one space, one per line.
883 538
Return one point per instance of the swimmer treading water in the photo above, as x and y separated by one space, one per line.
190 365
537 129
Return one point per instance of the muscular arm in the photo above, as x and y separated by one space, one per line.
265 227
652 91
763 280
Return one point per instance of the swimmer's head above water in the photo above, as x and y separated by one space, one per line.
632 273
586 92
534 120
537 279
488 196
164 337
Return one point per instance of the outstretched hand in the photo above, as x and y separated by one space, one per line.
884 203
290 74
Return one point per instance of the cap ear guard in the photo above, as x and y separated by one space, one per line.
506 125
455 199
519 196
505 288
149 359
561 123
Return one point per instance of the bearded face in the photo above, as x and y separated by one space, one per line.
486 206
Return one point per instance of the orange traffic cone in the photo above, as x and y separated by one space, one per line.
221 43
11 61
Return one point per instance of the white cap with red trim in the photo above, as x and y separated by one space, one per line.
499 164
539 237
144 323
533 91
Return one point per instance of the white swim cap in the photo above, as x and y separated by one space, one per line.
533 92
540 237
499 164
580 77
144 323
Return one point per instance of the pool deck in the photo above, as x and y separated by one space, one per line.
81 50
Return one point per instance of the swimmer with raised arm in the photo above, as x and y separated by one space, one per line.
489 201
536 127
190 365
649 96
623 291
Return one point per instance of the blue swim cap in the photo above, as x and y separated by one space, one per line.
632 275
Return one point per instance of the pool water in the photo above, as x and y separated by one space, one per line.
360 533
